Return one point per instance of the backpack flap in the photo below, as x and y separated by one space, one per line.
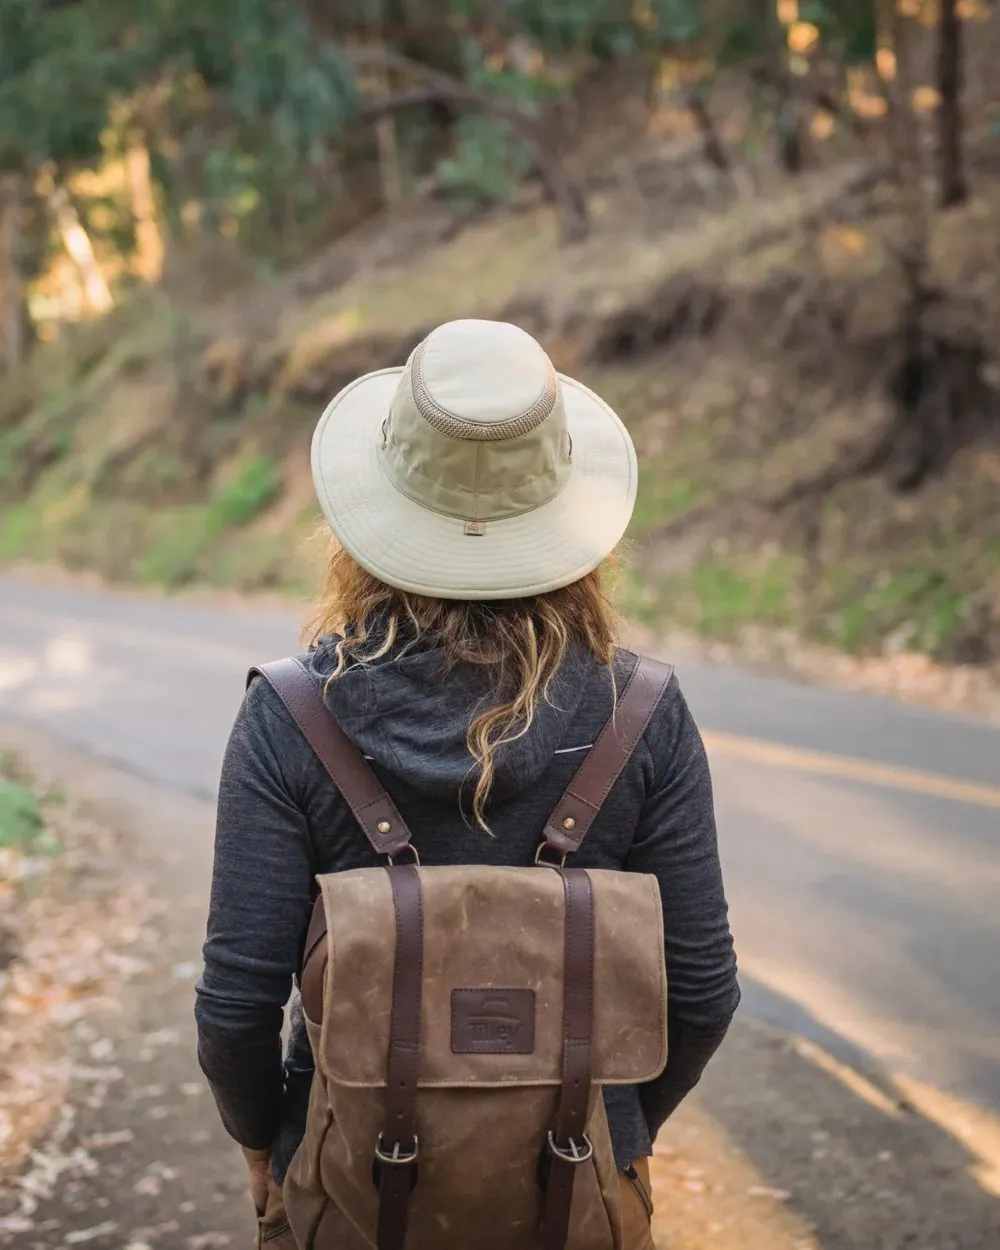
493 972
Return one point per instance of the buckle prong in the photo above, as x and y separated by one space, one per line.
396 1158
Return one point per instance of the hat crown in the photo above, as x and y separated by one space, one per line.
483 381
477 428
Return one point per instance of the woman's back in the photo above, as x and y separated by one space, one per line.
475 712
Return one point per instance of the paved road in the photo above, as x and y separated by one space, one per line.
861 838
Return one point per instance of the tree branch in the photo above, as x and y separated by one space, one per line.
567 196
710 145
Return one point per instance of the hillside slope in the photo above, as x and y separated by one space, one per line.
801 470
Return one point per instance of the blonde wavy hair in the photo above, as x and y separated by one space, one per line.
521 641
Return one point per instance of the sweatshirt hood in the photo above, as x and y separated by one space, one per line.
410 714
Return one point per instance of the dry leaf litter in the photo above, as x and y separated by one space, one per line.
68 921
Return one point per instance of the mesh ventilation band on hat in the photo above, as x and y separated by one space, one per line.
447 423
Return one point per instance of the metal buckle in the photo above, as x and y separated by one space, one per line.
413 851
578 1152
550 863
396 1159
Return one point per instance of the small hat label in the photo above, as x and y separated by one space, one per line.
475 528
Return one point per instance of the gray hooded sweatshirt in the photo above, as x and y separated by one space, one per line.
281 821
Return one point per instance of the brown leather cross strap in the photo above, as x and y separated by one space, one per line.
568 1147
397 1148
375 812
570 823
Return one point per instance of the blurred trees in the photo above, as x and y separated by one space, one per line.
251 115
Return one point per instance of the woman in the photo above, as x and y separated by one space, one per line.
466 644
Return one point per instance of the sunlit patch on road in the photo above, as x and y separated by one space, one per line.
977 1130
68 654
16 671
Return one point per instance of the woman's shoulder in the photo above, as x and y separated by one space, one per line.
264 712
671 727
625 664
262 700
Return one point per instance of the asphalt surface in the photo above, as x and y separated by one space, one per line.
866 912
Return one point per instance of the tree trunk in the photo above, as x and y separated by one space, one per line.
81 251
711 148
952 189
777 71
903 133
387 140
148 239
11 281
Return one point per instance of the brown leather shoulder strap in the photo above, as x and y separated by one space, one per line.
373 809
570 823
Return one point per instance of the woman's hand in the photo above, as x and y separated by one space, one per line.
259 1163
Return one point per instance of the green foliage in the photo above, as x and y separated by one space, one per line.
920 608
860 35
246 495
727 598
59 67
662 499
20 817
188 535
265 81
717 598
739 39
605 28
18 525
489 161
172 558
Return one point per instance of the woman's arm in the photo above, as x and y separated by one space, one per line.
676 842
261 887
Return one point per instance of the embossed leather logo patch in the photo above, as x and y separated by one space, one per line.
493 1022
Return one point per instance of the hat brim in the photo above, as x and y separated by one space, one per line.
416 549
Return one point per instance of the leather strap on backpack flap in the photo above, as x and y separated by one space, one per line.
570 822
568 1146
397 1148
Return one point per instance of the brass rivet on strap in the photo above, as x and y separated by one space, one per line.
384 826
569 823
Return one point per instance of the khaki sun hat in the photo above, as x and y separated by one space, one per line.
474 471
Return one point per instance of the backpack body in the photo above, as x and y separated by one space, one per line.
464 1020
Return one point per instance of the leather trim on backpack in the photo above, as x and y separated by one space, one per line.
604 763
567 1145
397 1148
360 789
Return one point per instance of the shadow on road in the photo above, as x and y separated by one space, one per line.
862 1165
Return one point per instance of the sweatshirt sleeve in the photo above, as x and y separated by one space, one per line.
676 842
260 900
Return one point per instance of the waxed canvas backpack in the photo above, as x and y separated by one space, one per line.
464 1019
